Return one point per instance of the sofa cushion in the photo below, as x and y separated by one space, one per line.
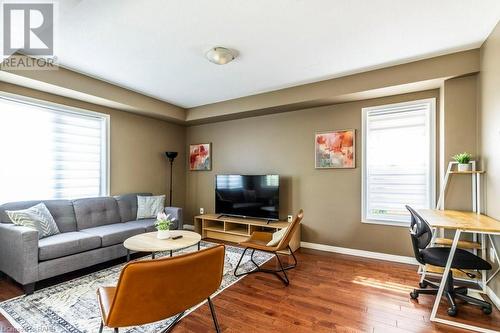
61 210
114 233
127 205
95 212
66 244
147 224
149 206
37 217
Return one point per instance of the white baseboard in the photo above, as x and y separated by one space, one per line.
360 253
494 297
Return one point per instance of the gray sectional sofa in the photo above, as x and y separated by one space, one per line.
92 232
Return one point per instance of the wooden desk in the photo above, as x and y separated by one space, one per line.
460 221
455 219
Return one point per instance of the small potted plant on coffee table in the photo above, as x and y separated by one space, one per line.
463 160
163 222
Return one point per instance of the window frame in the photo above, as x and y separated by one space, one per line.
65 109
432 156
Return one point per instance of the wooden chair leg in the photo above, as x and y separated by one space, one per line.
214 316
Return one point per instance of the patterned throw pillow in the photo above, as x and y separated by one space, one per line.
277 236
37 217
148 207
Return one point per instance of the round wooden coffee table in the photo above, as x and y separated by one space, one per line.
148 242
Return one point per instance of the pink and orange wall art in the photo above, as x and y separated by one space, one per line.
200 157
335 150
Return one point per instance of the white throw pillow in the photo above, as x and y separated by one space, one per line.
277 236
37 217
148 207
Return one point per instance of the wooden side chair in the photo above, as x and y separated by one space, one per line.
259 240
153 290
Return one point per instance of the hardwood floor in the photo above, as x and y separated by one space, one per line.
328 293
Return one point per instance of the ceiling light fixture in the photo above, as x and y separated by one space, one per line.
220 55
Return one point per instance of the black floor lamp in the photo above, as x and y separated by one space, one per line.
171 155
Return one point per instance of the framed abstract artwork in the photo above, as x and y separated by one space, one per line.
200 157
335 149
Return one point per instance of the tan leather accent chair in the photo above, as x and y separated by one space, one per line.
258 241
153 290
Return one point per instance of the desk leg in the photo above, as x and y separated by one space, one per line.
445 275
128 255
152 255
170 252
199 246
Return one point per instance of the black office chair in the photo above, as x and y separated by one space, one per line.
421 235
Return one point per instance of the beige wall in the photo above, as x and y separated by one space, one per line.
137 143
459 135
490 127
284 144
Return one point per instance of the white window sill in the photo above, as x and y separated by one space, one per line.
387 222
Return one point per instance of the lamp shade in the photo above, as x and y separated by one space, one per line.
171 154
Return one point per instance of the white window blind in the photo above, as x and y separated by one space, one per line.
49 152
398 160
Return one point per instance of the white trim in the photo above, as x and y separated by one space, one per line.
493 297
360 253
432 157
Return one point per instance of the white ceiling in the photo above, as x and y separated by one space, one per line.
157 47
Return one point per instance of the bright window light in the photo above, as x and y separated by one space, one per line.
398 160
49 152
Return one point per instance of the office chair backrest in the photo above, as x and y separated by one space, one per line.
152 290
287 237
421 233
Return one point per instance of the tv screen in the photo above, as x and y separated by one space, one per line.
247 196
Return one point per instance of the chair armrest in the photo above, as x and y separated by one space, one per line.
19 252
176 213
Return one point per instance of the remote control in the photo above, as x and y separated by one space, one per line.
177 237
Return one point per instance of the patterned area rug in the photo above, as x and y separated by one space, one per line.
72 306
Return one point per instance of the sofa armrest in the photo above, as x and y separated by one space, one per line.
19 252
176 213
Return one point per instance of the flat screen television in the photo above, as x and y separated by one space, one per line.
248 196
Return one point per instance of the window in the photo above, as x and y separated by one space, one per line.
51 152
398 160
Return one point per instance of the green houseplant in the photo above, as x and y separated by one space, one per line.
163 222
463 160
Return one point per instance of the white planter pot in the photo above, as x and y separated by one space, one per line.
163 234
464 167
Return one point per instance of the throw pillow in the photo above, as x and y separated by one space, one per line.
277 236
148 207
37 217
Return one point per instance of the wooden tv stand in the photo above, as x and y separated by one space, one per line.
234 229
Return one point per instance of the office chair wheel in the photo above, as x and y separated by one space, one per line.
423 284
452 312
487 310
414 295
